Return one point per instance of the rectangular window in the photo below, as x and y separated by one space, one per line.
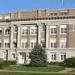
63 29
32 44
53 43
53 56
24 30
63 43
0 32
24 44
0 45
63 56
53 30
7 45
13 55
33 30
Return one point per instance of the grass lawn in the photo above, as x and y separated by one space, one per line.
19 73
49 68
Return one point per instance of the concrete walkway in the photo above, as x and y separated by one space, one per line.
67 70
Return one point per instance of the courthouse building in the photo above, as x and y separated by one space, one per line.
54 30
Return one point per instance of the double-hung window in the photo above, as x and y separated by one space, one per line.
63 43
63 29
53 43
53 30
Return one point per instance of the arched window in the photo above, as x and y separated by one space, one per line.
7 31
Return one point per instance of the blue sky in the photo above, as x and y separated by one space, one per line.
12 5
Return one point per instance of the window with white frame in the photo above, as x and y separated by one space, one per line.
24 30
33 44
13 55
24 44
53 56
53 30
63 29
43 43
63 56
63 43
53 43
7 45
33 30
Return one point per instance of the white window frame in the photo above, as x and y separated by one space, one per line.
6 46
64 27
24 30
33 30
53 56
54 32
63 56
63 43
53 40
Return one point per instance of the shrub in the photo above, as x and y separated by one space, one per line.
69 62
54 63
1 63
7 62
38 56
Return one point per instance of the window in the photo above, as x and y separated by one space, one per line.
53 14
43 43
33 30
0 32
0 44
7 32
63 56
23 54
7 45
32 44
63 29
24 30
53 43
53 30
24 44
63 13
63 43
53 56
13 55
15 45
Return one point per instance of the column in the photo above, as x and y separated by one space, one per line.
2 38
58 36
11 37
38 34
28 37
47 37
18 37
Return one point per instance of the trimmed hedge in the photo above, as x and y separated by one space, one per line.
69 62
54 63
7 63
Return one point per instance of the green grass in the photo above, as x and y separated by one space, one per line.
19 73
37 69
